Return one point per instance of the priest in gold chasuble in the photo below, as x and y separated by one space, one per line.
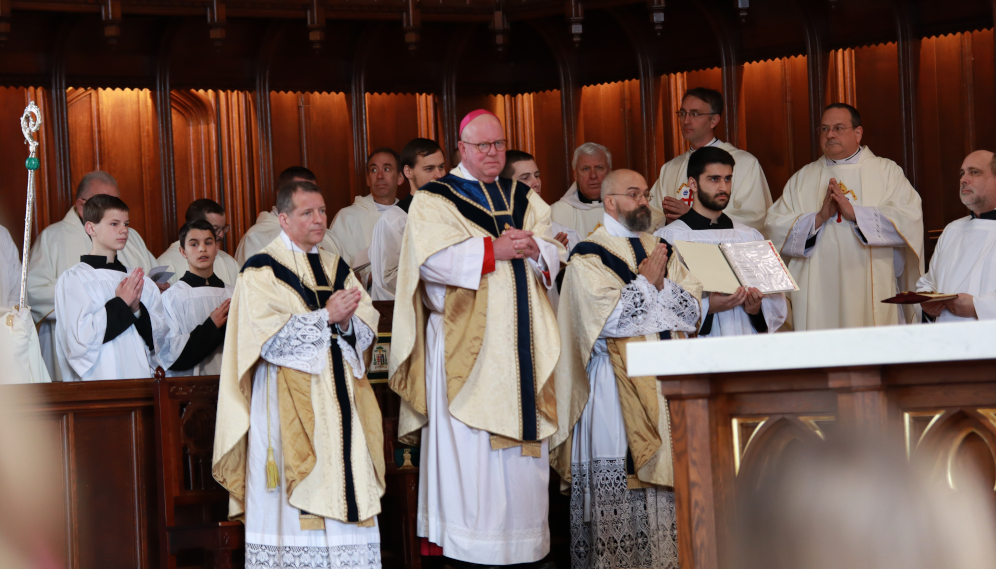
298 439
614 444
473 350
850 227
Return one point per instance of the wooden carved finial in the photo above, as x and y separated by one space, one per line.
316 24
575 15
217 21
656 8
110 15
411 23
499 25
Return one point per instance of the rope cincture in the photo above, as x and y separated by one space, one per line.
272 474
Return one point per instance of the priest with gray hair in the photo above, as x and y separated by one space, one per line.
581 207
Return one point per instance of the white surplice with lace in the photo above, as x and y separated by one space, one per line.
612 526
274 537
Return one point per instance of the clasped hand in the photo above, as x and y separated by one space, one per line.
654 267
341 306
674 208
834 203
750 298
516 244
130 289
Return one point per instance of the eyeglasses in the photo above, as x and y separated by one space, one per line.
222 230
485 147
694 114
837 129
635 196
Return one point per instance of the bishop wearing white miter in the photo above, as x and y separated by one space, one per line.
613 447
422 161
700 113
267 226
964 262
352 228
711 171
298 442
581 207
196 307
108 318
850 226
225 267
60 247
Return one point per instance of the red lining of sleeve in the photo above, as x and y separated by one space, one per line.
488 266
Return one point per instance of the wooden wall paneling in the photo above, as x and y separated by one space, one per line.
661 124
82 109
646 119
13 153
840 86
877 90
392 120
983 64
451 121
158 234
238 149
607 118
550 152
195 155
166 135
357 101
908 52
329 150
63 190
727 36
817 62
427 119
243 215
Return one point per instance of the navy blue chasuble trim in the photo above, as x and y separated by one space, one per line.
310 298
619 266
496 207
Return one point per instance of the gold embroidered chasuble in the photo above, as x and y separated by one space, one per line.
599 268
272 287
495 337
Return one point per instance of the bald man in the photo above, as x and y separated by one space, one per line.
472 354
622 285
964 262
60 247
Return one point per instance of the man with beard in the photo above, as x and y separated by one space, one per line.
963 260
614 446
353 226
700 113
747 311
473 351
852 227
421 162
581 207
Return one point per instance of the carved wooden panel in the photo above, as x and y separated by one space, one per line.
195 149
610 115
392 120
876 86
314 130
115 130
13 174
552 156
957 447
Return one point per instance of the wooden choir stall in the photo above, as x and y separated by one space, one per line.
187 99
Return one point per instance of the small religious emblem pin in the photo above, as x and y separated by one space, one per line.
685 195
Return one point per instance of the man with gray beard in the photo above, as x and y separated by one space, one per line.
613 446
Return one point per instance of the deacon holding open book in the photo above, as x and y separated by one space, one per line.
963 261
748 310
853 226
613 447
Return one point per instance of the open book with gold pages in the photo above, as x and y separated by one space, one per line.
729 266
918 297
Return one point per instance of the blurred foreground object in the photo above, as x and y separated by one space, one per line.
862 506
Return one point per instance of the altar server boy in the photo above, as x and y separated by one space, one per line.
196 307
109 322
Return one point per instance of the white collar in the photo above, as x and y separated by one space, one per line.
290 244
616 229
852 159
713 142
465 174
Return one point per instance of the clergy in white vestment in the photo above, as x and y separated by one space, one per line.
59 247
581 207
267 226
700 113
196 307
10 270
851 227
352 228
964 261
225 267
614 444
711 172
299 441
109 322
422 161
472 355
